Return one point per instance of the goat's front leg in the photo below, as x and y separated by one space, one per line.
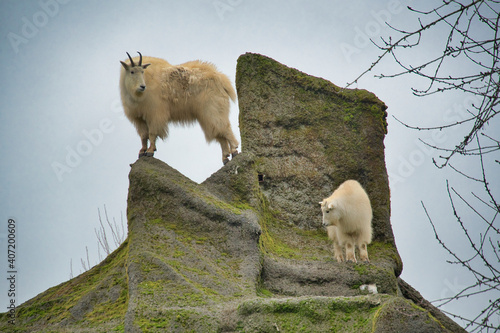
144 141
152 146
143 131
349 252
337 248
363 252
337 251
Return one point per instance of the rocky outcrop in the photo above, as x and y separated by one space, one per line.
244 251
309 136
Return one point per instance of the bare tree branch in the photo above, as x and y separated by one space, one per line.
468 62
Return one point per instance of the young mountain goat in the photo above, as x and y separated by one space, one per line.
157 93
347 215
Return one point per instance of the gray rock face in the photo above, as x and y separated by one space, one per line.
309 136
244 251
187 247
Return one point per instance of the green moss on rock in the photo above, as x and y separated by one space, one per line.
96 298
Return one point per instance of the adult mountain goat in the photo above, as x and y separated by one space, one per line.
157 93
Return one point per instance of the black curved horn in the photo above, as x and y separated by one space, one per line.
131 61
140 59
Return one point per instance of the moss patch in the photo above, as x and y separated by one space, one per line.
311 314
96 298
181 320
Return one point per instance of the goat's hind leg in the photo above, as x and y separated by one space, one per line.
229 144
224 144
233 143
142 152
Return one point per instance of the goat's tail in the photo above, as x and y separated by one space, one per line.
228 87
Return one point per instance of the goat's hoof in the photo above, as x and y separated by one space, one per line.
225 161
148 154
142 154
234 153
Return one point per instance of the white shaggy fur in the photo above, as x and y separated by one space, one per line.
157 93
347 215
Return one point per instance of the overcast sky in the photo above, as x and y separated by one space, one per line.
59 89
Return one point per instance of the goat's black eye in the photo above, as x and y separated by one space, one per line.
132 72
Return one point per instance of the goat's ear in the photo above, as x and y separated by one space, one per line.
124 65
145 66
331 205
